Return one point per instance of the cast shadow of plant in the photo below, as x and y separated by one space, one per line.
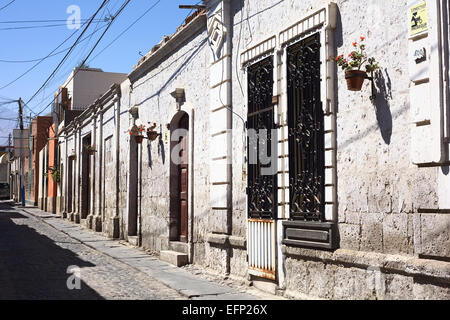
383 87
161 150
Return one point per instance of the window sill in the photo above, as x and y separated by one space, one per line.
310 234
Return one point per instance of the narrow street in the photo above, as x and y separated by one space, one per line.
37 248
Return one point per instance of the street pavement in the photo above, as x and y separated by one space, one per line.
43 256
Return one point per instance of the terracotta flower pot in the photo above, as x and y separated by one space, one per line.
91 152
355 79
152 135
139 139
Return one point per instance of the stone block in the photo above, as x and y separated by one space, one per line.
321 280
176 258
371 232
217 221
344 283
349 236
435 235
395 234
426 291
177 246
297 275
264 285
399 287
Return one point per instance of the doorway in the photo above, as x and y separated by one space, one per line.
261 183
179 177
133 190
70 184
86 179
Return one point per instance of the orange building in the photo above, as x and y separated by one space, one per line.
39 136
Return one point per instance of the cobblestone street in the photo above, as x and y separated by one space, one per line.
37 248
34 258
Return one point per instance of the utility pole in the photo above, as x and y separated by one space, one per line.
9 167
22 180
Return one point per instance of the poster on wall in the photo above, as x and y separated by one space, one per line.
418 18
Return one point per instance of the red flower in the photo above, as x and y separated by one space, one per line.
355 43
362 38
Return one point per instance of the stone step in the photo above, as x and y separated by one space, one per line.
133 240
176 258
178 246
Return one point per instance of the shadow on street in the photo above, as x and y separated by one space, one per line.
32 266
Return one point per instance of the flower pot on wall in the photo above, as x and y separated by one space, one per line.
152 135
139 139
355 79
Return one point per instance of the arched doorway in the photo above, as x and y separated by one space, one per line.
179 177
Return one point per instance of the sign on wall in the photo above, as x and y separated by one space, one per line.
418 18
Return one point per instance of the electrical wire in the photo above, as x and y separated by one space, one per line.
69 52
41 21
83 52
10 3
126 29
95 46
51 54
34 27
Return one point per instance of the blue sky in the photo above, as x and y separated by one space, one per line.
36 43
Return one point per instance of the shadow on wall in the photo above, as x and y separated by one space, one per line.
161 151
382 105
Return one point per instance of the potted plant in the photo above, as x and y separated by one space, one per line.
90 149
151 133
356 66
55 174
137 132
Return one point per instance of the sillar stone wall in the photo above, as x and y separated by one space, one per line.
379 189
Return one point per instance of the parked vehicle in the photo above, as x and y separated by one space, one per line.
4 191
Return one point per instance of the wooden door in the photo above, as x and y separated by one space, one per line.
69 184
183 173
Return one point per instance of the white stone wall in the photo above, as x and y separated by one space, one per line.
151 94
375 191
379 189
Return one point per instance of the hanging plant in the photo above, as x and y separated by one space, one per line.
55 173
151 132
356 66
137 132
90 149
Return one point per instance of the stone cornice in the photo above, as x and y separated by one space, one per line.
177 40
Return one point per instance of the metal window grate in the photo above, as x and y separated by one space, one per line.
306 131
262 189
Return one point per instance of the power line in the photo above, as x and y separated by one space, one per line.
51 54
38 27
95 46
68 53
41 21
126 29
83 52
10 3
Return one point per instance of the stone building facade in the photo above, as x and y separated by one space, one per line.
357 204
